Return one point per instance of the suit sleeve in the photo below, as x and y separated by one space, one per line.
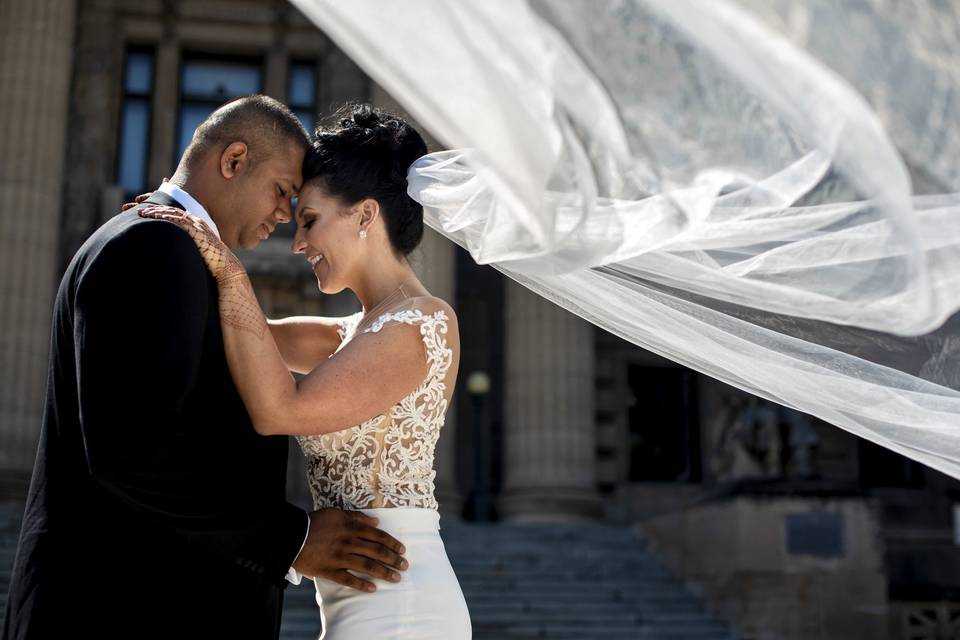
140 316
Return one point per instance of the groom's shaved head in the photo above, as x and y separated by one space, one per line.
245 165
265 125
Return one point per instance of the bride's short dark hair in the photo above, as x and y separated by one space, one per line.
364 152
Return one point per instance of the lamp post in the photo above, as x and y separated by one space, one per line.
478 386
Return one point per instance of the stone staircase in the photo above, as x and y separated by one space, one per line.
576 580
9 526
585 580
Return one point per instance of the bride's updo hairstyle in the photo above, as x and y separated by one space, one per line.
364 153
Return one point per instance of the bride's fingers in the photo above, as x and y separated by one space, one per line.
178 219
202 226
380 553
137 200
192 224
155 210
161 215
347 579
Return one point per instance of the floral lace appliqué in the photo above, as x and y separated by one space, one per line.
386 461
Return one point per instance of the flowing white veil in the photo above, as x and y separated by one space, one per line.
764 191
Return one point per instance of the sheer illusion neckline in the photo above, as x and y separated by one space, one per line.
387 300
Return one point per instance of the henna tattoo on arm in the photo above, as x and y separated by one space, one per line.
239 307
231 270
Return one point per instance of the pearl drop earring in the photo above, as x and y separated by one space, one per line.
363 234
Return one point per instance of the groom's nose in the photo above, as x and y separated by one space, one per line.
283 213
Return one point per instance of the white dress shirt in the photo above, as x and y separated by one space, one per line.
194 208
190 204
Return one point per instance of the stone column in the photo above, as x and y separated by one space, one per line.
166 90
435 265
36 37
341 80
277 71
278 68
550 431
90 155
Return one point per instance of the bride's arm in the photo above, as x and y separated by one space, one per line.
363 380
305 341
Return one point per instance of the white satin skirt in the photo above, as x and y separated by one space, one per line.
426 604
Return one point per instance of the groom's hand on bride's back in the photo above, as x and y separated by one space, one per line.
341 540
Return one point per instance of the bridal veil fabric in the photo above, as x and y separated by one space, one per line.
766 191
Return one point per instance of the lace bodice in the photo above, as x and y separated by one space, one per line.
386 461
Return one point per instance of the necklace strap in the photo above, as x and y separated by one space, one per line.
369 315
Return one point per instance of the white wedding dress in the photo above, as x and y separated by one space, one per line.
384 467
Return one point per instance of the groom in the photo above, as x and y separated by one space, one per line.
155 509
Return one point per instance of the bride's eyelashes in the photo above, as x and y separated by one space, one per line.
308 222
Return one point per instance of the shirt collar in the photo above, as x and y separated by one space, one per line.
189 203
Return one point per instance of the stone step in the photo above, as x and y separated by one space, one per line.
491 609
301 616
633 594
589 591
640 599
585 631
555 618
572 582
546 560
570 569
517 580
602 548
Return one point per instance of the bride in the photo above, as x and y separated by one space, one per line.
377 384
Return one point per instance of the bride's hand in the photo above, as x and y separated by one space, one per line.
221 262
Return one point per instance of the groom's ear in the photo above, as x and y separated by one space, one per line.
234 160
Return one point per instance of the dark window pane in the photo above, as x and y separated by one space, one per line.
139 73
219 80
134 134
302 85
664 433
308 119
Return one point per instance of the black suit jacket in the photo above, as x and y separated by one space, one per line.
154 509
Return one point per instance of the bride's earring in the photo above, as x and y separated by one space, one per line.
363 234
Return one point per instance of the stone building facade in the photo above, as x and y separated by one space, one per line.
96 99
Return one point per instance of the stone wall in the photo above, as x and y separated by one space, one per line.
782 568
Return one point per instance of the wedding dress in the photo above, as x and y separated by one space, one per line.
384 468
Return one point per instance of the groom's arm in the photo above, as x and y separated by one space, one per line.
305 342
140 317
